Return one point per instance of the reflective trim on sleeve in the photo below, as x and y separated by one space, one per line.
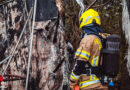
95 61
93 77
87 83
73 76
83 54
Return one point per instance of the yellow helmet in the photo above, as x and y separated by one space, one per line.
88 17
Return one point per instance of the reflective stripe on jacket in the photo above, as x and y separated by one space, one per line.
93 79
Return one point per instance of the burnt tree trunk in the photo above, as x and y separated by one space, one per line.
49 46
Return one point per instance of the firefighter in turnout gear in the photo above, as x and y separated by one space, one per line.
88 54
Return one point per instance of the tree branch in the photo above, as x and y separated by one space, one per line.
97 6
102 5
91 4
5 2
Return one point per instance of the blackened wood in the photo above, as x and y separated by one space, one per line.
46 9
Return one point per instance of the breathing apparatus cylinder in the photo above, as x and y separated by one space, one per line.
111 59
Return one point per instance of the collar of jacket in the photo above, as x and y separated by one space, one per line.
92 29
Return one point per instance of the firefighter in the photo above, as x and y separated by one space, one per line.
88 54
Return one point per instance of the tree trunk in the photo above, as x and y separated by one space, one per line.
126 26
49 47
125 77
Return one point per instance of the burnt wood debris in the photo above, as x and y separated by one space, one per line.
49 65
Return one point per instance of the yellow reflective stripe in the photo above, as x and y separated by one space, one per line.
98 42
84 82
95 61
93 77
98 18
83 54
87 83
73 76
88 18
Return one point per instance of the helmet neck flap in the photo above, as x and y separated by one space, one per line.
92 29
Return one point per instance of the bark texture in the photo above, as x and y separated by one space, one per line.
125 78
49 46
126 26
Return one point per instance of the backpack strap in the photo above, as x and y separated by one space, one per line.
110 51
92 70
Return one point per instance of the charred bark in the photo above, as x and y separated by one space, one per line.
49 46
